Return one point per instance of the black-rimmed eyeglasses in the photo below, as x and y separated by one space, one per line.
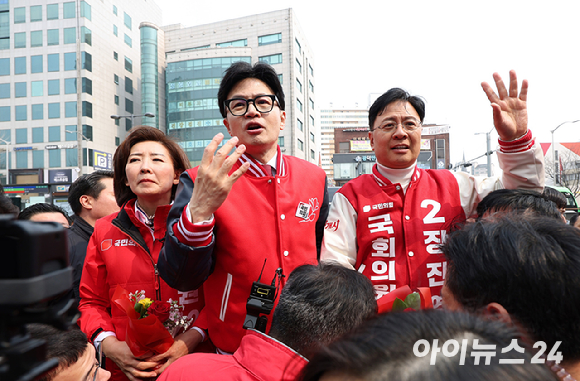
262 103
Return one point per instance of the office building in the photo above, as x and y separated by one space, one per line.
355 119
65 68
196 58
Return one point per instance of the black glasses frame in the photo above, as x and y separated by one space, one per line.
273 97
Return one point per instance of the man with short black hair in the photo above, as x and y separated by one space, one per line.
522 270
91 197
317 306
517 200
76 357
45 212
255 210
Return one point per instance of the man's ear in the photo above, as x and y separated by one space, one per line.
86 202
495 311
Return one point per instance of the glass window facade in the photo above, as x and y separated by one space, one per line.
116 56
36 64
117 100
20 113
38 159
281 141
128 106
69 10
5 66
71 157
69 35
36 13
70 86
54 158
298 85
115 10
87 109
35 38
37 88
53 62
20 89
298 47
19 65
271 59
53 87
4 114
128 85
70 61
115 30
299 104
87 61
70 109
116 79
52 11
37 112
37 134
70 132
4 90
86 35
236 43
128 41
19 40
21 159
21 136
53 110
300 145
311 137
52 37
54 134
127 20
299 125
192 110
128 65
270 39
19 15
87 86
4 29
85 10
298 66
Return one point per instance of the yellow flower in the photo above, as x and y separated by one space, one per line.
146 302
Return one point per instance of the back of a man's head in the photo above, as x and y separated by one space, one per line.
66 346
401 346
320 303
528 265
33 211
87 185
517 200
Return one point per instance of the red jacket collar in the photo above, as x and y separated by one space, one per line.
257 169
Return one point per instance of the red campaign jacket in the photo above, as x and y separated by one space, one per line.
398 234
259 358
277 218
123 251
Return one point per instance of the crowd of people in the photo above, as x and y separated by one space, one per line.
495 254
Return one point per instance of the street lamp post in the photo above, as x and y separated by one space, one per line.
557 167
83 137
132 117
488 152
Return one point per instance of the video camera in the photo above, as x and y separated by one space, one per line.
261 301
34 277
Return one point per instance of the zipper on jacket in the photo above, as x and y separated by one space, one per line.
157 288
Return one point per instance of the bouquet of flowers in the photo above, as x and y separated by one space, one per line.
152 324
403 299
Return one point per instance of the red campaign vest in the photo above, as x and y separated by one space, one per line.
398 234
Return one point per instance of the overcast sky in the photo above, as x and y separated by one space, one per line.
441 50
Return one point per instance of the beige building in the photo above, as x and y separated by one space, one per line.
196 58
330 119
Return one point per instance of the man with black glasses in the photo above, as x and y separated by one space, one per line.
389 224
246 214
